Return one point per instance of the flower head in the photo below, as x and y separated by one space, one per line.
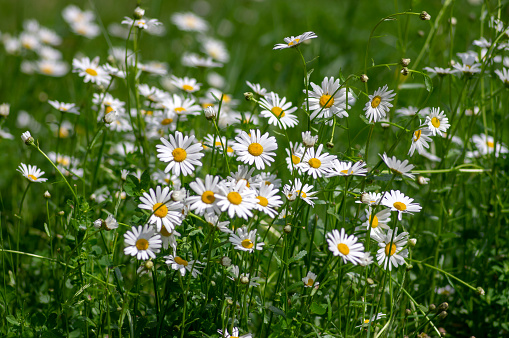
246 241
390 252
397 166
278 111
164 211
32 173
294 41
255 148
437 122
142 242
328 100
181 153
379 104
397 201
345 246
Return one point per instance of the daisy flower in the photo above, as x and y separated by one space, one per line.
420 140
90 70
309 140
141 23
309 280
294 189
370 198
376 317
345 246
55 68
340 168
397 166
164 210
235 334
439 71
315 163
294 41
181 265
469 66
366 260
245 241
329 100
268 200
379 104
397 201
243 174
208 144
254 147
64 107
486 145
391 251
379 220
205 202
295 153
278 111
194 60
503 75
142 242
445 291
257 88
32 173
215 49
181 154
437 122
189 22
214 222
187 84
266 179
180 105
237 200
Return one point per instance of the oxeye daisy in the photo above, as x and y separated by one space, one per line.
168 238
397 201
266 179
391 251
142 242
213 221
294 41
189 22
64 107
503 75
235 334
268 200
296 189
164 210
376 317
420 140
181 153
244 174
237 200
186 84
215 49
278 111
437 122
439 71
329 100
205 202
181 265
379 104
90 70
141 23
32 173
397 166
345 246
214 141
309 280
370 198
377 221
254 147
295 153
316 164
487 145
194 60
246 241
257 89
180 105
340 168
309 140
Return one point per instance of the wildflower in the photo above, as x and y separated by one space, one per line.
244 174
245 241
215 49
164 212
257 89
397 201
189 85
420 141
504 76
294 41
328 100
32 173
181 154
193 60
294 189
370 198
210 113
141 23
308 140
469 66
237 199
425 16
391 251
397 166
437 122
27 138
268 200
213 221
445 291
181 265
379 220
486 145
110 117
142 242
295 153
422 180
168 238
180 106
64 107
278 111
205 202
366 322
189 22
439 71
254 147
364 78
340 168
90 70
235 334
316 164
379 104
309 280
226 261
4 109
345 246
366 260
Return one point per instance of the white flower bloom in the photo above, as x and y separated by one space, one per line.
339 168
257 88
64 107
309 140
189 22
181 153
142 242
268 200
246 241
315 163
379 104
391 251
397 201
181 265
32 173
165 212
90 70
328 100
437 122
294 41
309 280
420 140
206 201
237 200
295 189
397 166
255 148
345 246
278 111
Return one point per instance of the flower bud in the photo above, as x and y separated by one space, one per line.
210 113
248 96
27 138
244 280
408 312
287 229
422 180
98 223
110 117
480 291
61 213
404 71
432 307
443 307
138 13
409 267
425 16
405 62
364 78
47 194
412 242
329 145
309 140
229 301
442 315
226 261
370 281
149 265
4 109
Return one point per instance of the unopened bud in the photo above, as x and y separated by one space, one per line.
229 301
287 229
364 78
442 307
422 180
61 213
210 113
27 138
405 62
432 307
4 109
480 291
47 194
98 223
442 315
408 312
248 96
412 242
425 16
409 267
404 71
329 145
110 117
149 265
138 13
420 33
370 281
244 280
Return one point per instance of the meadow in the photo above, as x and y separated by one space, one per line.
254 168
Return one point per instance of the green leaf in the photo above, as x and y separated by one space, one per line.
47 230
145 180
318 309
297 256
132 186
278 260
428 83
11 319
277 311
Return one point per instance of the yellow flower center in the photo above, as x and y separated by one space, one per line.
255 149
160 210
247 243
366 321
490 144
315 163
208 197
234 198
374 223
32 177
310 282
400 206
278 112
417 135
323 101
166 122
187 87
302 193
142 244
218 144
47 69
179 154
179 110
262 201
376 101
206 105
229 150
91 71
291 43
390 250
344 172
435 122
343 248
295 159
164 232
180 261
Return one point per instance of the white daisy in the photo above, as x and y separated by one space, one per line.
469 65
87 29
295 153
327 100
316 164
194 60
244 174
55 68
340 168
266 179
486 145
391 251
366 260
141 23
189 22
370 198
309 280
254 147
215 49
164 210
213 220
309 140
257 89
180 105
278 111
90 70
32 173
397 166
420 141
345 246
205 202
439 71
295 189
294 41
379 104
503 75
181 265
246 241
186 84
64 107
376 317
379 220
181 153
235 334
437 122
142 242
237 199
213 141
397 201
268 200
